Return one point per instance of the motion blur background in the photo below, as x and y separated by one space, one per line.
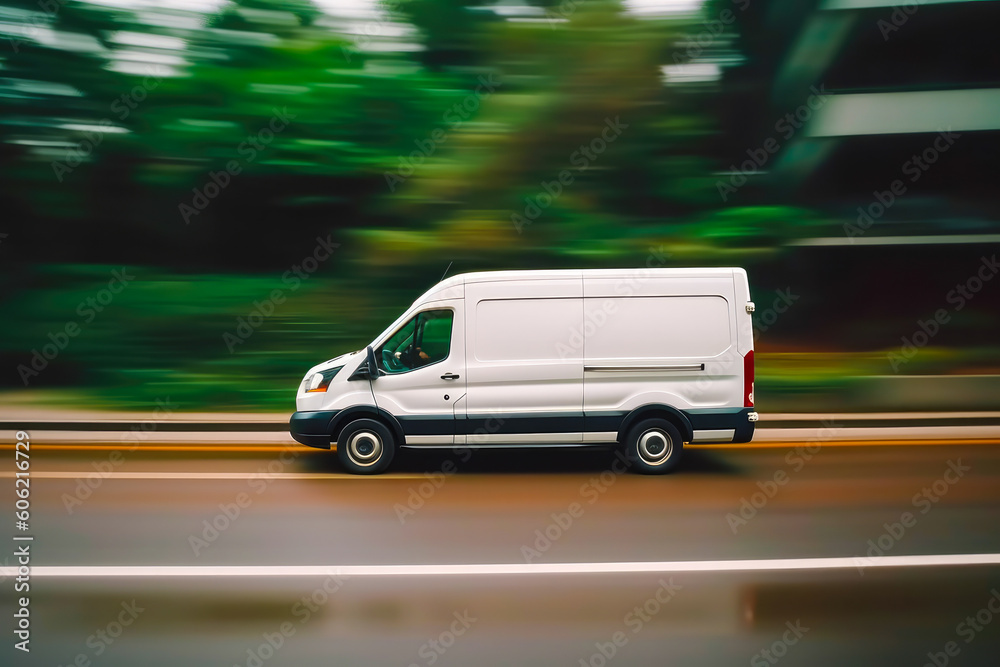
842 151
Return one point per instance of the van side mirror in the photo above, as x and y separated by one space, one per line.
368 370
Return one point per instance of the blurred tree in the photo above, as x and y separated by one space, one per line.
452 30
164 109
210 151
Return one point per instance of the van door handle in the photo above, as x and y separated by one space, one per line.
449 376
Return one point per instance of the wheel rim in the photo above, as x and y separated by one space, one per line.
655 446
364 448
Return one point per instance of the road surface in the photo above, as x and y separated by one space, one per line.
798 553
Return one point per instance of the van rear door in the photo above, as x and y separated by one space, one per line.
744 331
660 340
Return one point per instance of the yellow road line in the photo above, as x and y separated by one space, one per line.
167 448
208 475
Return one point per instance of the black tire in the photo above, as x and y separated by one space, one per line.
653 447
366 447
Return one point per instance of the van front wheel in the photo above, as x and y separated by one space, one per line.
366 447
653 446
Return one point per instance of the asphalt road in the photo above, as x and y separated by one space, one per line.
318 547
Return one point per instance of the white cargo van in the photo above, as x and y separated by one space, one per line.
644 359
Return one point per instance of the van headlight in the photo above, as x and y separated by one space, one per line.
321 380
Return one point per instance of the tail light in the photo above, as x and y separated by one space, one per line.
748 380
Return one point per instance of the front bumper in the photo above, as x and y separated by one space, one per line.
312 428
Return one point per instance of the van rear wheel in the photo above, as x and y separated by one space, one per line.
653 446
366 447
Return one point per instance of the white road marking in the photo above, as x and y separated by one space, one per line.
205 475
777 564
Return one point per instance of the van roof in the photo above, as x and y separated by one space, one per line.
552 274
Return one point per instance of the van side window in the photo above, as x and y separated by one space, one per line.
423 340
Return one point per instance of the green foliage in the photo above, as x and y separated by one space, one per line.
221 340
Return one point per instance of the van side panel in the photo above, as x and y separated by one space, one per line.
515 330
524 361
668 344
656 327
669 341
